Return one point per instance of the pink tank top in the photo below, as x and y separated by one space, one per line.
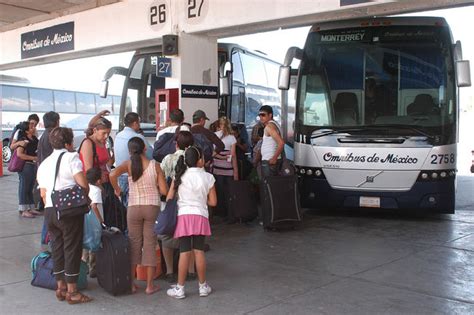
144 191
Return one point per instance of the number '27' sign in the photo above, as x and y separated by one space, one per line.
163 67
159 12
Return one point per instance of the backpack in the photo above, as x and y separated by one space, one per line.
205 144
166 144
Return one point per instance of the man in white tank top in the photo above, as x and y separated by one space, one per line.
272 144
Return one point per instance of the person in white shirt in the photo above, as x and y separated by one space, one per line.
272 143
176 119
225 167
195 191
66 233
93 176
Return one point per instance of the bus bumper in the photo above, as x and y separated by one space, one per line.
436 197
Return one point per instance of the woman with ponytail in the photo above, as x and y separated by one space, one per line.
194 189
146 183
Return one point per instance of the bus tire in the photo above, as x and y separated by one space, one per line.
6 152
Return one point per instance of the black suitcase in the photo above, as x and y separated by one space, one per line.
242 200
113 263
280 202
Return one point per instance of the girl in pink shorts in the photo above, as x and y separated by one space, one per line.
195 191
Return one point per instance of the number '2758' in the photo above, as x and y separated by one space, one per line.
443 158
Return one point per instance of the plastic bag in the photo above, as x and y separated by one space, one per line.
92 232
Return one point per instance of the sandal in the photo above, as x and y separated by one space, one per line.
27 214
77 298
61 294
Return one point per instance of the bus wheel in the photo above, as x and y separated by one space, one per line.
6 152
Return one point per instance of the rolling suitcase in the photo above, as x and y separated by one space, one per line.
280 202
113 263
242 200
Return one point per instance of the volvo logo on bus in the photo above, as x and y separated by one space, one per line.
369 179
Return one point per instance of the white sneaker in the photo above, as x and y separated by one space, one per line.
177 292
204 289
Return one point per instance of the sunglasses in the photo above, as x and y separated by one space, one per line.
262 114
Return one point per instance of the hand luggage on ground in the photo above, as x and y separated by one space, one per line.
142 270
280 202
242 200
42 272
113 263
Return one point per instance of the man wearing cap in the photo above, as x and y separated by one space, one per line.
199 121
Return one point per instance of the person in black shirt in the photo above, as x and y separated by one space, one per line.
28 175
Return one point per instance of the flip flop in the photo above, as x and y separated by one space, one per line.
27 214
155 289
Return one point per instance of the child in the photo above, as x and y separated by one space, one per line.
93 176
195 191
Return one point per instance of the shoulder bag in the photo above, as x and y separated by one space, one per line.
16 163
167 219
68 202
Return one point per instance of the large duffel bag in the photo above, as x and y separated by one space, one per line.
280 202
42 272
113 263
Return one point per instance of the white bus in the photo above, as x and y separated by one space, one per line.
251 80
19 99
377 113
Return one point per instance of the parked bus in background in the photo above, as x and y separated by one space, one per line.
251 81
19 99
377 113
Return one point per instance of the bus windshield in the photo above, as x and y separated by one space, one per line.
379 76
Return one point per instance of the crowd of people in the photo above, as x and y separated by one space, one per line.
188 162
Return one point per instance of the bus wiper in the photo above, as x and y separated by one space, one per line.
407 127
328 132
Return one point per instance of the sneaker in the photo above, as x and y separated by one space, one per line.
204 289
177 292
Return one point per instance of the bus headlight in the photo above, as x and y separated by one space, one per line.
318 173
443 174
309 172
434 175
302 171
424 175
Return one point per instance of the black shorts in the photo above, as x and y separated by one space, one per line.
186 243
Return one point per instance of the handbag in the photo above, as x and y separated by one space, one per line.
42 272
16 164
286 167
68 202
166 221
92 232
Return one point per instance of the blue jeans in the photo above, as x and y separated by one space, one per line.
25 187
270 170
123 184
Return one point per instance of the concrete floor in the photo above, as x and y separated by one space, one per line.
337 263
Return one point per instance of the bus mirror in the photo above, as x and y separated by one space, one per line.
284 77
103 88
457 51
224 78
463 73
224 83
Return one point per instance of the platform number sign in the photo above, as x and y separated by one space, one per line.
196 10
158 14
163 67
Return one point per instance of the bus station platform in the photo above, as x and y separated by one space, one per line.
345 262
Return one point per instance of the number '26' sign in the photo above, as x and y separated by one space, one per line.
195 11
